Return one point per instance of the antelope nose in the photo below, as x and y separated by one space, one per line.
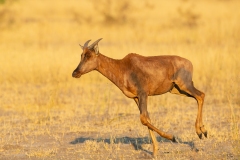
74 74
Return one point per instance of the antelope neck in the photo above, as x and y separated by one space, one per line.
111 69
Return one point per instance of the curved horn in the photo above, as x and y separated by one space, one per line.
96 42
86 44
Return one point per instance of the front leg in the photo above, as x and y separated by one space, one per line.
153 138
144 118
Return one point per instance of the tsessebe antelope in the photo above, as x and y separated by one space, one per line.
139 77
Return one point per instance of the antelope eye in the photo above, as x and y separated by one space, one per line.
87 55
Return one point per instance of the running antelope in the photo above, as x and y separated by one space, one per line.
139 77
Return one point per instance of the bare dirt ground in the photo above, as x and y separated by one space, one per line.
114 131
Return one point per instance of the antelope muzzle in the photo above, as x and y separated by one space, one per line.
76 74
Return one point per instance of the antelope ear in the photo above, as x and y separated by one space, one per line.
81 46
95 48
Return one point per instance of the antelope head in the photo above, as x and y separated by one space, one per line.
88 60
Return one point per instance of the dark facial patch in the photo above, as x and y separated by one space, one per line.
87 56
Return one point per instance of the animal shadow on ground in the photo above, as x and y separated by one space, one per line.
136 142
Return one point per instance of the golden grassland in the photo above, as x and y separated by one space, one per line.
46 114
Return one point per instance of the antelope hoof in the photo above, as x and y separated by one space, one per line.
205 134
174 140
155 152
154 155
199 135
204 131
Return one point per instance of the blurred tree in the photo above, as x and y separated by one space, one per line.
113 12
2 1
6 16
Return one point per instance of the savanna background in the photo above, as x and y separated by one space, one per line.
47 114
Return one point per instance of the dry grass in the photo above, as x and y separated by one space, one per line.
46 114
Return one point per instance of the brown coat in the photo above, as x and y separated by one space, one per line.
139 77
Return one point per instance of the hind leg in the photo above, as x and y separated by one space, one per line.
189 90
199 96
